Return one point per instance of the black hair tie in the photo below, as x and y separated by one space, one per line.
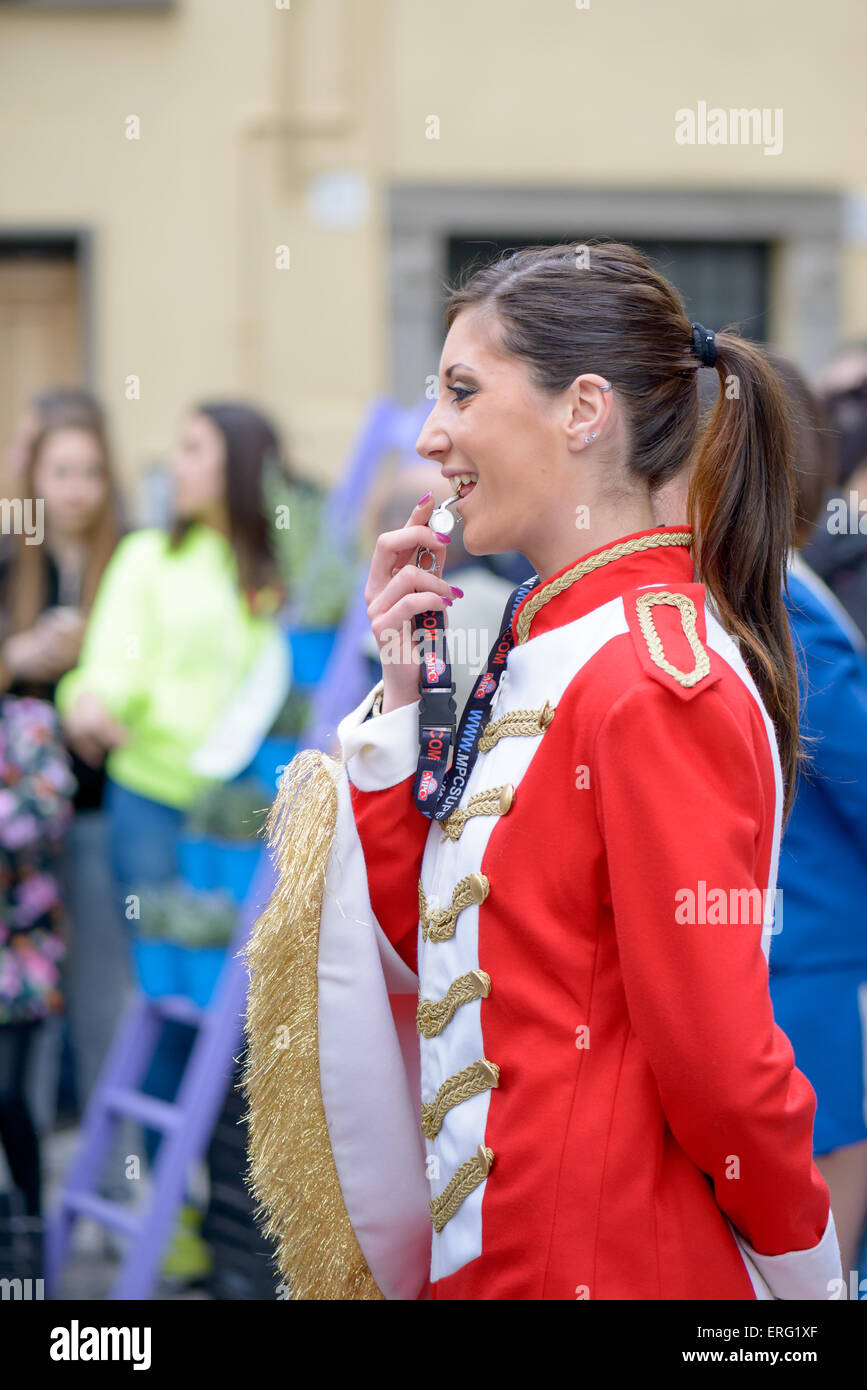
704 344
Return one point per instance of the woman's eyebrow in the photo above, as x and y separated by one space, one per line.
454 367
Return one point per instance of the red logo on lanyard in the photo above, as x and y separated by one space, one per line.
485 684
434 667
426 786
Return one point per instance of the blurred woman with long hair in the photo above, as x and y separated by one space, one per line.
48 589
48 578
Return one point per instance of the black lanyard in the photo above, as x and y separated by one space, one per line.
437 788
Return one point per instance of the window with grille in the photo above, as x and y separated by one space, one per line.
722 282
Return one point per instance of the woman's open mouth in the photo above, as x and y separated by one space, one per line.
465 483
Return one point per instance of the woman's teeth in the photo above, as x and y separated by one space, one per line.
464 483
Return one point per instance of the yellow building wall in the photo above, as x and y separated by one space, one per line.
242 103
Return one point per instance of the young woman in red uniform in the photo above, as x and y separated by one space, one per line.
575 921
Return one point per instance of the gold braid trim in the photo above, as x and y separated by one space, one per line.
586 566
459 1186
433 1014
684 603
440 925
486 803
291 1171
518 722
472 1081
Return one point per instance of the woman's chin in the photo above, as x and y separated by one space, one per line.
481 533
479 539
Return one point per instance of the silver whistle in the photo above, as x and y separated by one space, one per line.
442 520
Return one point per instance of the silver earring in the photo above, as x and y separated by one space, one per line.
589 437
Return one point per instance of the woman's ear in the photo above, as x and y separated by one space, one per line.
589 403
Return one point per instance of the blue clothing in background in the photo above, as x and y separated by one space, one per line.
818 961
143 848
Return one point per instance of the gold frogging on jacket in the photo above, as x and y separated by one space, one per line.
516 723
463 1085
434 1014
460 1185
493 801
439 924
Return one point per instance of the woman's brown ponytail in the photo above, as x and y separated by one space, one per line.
741 506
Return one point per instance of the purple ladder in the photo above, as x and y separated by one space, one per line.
186 1123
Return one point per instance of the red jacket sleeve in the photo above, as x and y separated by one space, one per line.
679 799
381 755
393 833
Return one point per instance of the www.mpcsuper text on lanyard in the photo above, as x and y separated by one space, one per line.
437 786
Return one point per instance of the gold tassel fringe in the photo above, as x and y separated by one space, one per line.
291 1169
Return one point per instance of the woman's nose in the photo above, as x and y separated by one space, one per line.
433 440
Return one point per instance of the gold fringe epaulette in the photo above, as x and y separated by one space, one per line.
291 1172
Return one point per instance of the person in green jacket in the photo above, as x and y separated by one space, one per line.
181 619
183 666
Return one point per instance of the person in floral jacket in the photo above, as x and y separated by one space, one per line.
36 786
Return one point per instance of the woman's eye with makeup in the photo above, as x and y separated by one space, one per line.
461 393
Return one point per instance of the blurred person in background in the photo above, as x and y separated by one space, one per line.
182 630
69 405
35 789
819 959
484 593
837 549
46 592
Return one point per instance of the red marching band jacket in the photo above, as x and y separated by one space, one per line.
575 1088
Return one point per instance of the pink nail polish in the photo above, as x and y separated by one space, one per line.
458 593
449 601
424 499
440 537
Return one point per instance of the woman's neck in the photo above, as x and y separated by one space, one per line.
217 517
67 551
590 528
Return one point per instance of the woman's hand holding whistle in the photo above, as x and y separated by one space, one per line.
397 589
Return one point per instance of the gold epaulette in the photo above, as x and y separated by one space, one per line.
652 649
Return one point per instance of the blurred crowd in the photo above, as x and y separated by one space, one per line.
122 649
